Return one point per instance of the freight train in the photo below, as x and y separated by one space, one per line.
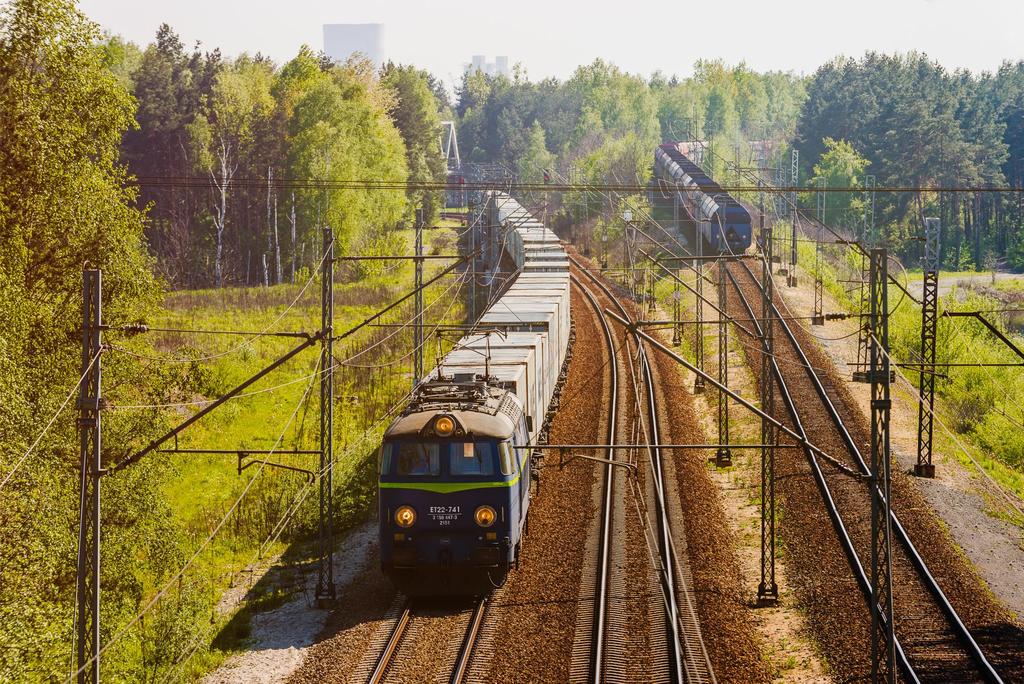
455 466
705 210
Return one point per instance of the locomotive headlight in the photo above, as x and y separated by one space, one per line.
444 426
485 516
405 516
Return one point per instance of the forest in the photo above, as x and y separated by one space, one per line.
236 128
214 137
910 123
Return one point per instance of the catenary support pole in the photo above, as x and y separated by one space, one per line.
818 316
929 324
90 442
677 313
767 589
883 642
325 538
723 457
866 232
698 331
795 179
417 342
677 295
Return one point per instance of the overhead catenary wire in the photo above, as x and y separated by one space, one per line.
50 422
403 325
202 546
522 187
440 321
980 468
241 345
290 511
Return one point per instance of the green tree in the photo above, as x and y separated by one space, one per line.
64 202
224 134
340 130
720 115
840 167
536 158
123 58
170 87
417 118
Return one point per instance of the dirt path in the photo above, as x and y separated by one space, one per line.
281 637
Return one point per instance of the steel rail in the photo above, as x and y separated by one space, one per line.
664 541
391 647
468 641
604 541
819 477
675 640
959 628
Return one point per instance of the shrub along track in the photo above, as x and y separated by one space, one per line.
824 580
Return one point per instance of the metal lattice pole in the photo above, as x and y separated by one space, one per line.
883 643
929 324
767 590
795 180
863 346
867 229
325 538
818 316
651 285
417 342
90 441
677 295
723 456
780 180
677 314
698 346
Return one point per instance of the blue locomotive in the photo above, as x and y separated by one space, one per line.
454 490
706 211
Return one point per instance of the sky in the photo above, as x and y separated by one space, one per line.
552 37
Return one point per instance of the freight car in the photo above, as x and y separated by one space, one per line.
455 468
709 211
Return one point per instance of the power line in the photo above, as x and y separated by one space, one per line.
241 345
382 184
52 420
202 547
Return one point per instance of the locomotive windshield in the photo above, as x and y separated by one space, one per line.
415 458
471 458
479 459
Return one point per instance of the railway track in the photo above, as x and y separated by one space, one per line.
409 617
671 649
933 644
